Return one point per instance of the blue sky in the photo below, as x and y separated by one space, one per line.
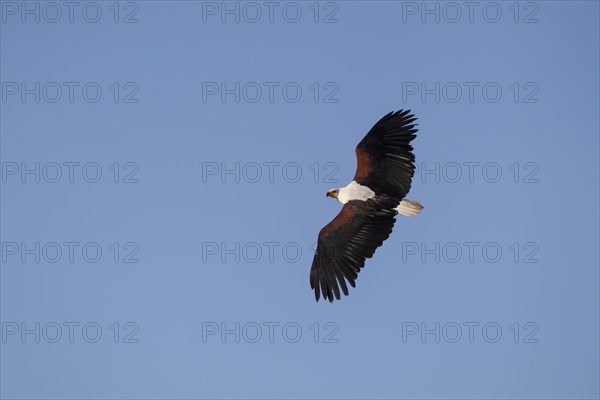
164 166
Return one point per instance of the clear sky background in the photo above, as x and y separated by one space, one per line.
213 192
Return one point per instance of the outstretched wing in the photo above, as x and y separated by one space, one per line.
385 161
344 244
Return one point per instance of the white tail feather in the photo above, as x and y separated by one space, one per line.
408 208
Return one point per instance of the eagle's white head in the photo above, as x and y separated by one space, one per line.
333 193
353 191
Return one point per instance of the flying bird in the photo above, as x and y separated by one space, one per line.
385 167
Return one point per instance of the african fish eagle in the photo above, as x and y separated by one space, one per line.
385 167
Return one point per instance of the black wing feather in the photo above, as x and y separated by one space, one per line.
346 242
385 157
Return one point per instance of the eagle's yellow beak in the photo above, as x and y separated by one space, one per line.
330 193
